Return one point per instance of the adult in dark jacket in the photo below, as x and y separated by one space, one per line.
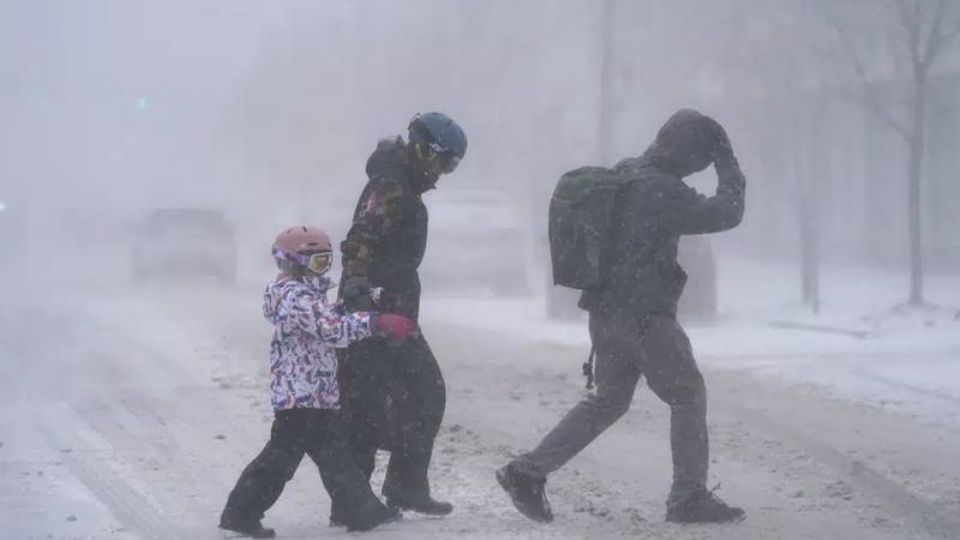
382 252
633 323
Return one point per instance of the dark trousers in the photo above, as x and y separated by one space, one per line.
395 399
626 348
295 432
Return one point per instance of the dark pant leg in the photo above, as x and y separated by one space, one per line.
419 409
616 342
263 479
367 369
672 373
349 489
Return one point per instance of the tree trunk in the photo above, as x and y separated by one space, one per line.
811 217
804 159
809 250
913 196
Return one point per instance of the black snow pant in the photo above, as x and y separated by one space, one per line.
626 347
395 399
317 433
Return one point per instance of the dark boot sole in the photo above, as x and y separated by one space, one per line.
505 484
430 508
368 527
420 509
737 519
266 533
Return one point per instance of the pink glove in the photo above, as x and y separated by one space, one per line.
395 327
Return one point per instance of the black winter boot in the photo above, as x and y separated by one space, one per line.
527 493
423 505
372 518
703 507
231 522
337 518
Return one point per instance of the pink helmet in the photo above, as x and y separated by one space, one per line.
296 245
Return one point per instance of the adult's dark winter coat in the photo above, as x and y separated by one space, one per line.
658 208
395 394
389 234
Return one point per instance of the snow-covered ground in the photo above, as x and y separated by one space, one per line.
128 412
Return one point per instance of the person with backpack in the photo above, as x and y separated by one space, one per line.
614 234
382 252
304 390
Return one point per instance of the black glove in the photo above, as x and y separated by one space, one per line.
355 293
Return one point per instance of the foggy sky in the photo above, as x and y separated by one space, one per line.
268 109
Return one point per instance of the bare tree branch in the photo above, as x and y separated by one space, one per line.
910 20
935 39
871 100
903 17
951 35
946 36
954 27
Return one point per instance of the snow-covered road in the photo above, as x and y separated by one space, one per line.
129 414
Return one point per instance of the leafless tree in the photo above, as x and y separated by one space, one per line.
785 60
922 31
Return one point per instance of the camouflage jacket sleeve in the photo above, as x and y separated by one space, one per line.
378 213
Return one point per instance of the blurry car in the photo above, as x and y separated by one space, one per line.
476 241
185 242
697 304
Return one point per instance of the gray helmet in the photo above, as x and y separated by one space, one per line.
440 132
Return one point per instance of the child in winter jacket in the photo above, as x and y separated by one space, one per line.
304 390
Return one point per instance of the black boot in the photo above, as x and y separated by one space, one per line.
371 519
527 493
249 527
336 516
422 504
703 507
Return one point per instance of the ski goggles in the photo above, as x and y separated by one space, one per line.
317 263
448 160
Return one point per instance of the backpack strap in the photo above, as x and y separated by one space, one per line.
591 359
588 368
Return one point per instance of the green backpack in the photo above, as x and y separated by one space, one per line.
581 219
